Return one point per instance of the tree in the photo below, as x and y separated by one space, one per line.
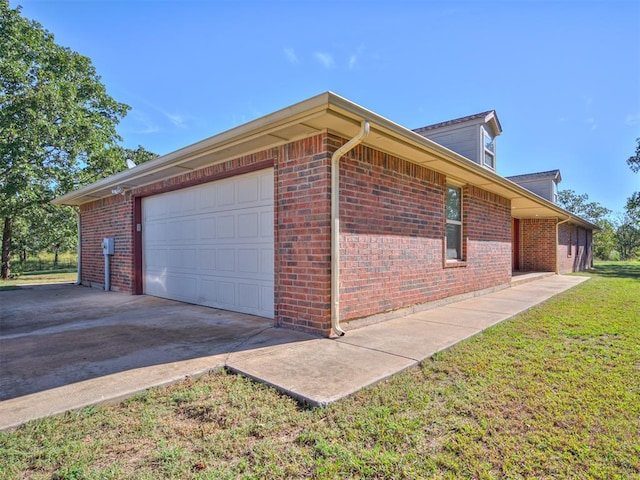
115 160
581 206
634 160
604 241
605 244
57 122
627 236
50 228
632 207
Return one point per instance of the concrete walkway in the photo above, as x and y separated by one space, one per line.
315 370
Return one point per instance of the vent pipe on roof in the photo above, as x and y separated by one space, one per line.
335 224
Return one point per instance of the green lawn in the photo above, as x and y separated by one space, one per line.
58 276
553 393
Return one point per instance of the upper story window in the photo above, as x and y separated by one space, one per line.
489 153
454 223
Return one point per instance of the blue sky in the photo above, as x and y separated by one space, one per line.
564 77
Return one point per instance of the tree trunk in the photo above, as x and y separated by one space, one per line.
5 269
55 258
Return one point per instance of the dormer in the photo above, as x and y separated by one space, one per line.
544 184
473 137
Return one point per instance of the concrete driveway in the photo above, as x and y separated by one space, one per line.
66 347
55 335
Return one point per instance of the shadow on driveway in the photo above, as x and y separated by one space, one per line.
55 335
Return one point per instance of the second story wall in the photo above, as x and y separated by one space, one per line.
463 140
472 137
544 184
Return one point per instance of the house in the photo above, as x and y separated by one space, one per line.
322 213
544 184
574 242
474 137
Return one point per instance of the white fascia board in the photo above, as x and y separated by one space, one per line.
294 114
133 176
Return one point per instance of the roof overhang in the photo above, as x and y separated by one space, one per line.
326 112
492 120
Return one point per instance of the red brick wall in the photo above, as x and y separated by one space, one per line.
114 217
109 217
538 244
487 229
574 248
392 230
303 235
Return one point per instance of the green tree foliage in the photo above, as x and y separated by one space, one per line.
605 244
604 240
57 127
627 236
632 207
581 206
46 228
629 230
114 161
634 160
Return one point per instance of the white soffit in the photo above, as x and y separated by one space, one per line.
325 112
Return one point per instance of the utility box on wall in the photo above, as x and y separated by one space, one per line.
108 246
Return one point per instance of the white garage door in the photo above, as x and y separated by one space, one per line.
212 244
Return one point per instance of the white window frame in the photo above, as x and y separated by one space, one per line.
459 223
486 151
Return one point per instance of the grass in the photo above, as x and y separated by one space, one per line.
57 276
552 393
44 261
40 269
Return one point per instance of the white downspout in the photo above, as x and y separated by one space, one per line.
335 225
79 278
557 244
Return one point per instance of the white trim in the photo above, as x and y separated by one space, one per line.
454 222
347 116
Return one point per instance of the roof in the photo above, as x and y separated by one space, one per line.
554 174
331 113
484 117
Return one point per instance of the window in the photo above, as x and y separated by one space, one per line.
454 223
489 151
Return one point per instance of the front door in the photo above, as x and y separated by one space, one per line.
515 244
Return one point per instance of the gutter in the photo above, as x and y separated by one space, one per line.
335 224
311 111
557 240
79 278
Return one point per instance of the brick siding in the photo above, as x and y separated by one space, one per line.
538 244
574 248
303 236
114 217
392 234
108 217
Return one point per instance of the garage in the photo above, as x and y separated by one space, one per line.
212 244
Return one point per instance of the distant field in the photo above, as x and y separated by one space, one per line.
44 261
41 269
58 276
